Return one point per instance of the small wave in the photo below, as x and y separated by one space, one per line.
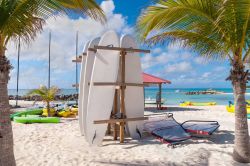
233 93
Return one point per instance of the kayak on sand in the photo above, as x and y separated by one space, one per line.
37 111
34 119
190 103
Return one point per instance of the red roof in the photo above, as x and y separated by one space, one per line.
147 78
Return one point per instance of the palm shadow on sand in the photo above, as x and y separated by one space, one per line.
200 157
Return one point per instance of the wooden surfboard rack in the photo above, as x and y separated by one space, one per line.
79 58
119 93
114 84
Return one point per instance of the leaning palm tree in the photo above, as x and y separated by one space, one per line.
216 29
47 95
25 18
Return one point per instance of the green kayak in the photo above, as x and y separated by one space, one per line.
32 119
37 111
248 116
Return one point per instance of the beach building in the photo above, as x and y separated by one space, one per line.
149 80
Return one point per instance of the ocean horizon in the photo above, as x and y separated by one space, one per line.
171 96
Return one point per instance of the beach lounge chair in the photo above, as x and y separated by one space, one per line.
168 130
200 128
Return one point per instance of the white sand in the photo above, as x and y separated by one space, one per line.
62 144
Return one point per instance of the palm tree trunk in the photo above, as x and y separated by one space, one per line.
241 145
48 109
6 135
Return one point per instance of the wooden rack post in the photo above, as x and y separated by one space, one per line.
122 99
115 110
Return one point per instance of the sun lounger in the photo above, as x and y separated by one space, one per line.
200 128
168 130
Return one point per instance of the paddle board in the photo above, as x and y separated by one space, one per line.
100 100
87 76
80 110
134 96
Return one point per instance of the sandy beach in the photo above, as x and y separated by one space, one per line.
62 144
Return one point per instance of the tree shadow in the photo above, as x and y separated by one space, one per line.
200 157
130 143
221 137
137 163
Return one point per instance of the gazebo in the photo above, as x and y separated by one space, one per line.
153 80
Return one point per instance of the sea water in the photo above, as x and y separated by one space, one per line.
172 96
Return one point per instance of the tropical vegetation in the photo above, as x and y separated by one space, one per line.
47 95
25 19
215 29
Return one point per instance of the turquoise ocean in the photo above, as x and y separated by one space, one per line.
172 96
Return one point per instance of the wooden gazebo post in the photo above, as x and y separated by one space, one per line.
153 80
160 86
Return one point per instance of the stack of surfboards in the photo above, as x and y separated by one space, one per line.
96 102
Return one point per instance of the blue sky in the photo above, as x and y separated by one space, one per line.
183 67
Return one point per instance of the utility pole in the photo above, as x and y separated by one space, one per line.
49 60
76 67
18 60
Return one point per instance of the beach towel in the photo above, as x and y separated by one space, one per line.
200 127
166 129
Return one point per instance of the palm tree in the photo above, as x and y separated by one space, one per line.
25 18
216 29
47 95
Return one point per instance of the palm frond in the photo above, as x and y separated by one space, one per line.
25 18
203 45
45 93
213 28
89 8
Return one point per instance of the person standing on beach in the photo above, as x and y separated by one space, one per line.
158 100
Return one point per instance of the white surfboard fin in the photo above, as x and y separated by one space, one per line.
94 137
138 132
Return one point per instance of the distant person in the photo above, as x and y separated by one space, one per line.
158 100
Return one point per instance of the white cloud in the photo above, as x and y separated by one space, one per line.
200 60
63 31
156 50
206 75
220 69
179 67
150 60
108 7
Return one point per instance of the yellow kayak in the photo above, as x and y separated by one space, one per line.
74 111
52 112
189 103
231 109
64 114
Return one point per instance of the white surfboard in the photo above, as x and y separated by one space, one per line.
100 101
87 76
80 110
134 96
